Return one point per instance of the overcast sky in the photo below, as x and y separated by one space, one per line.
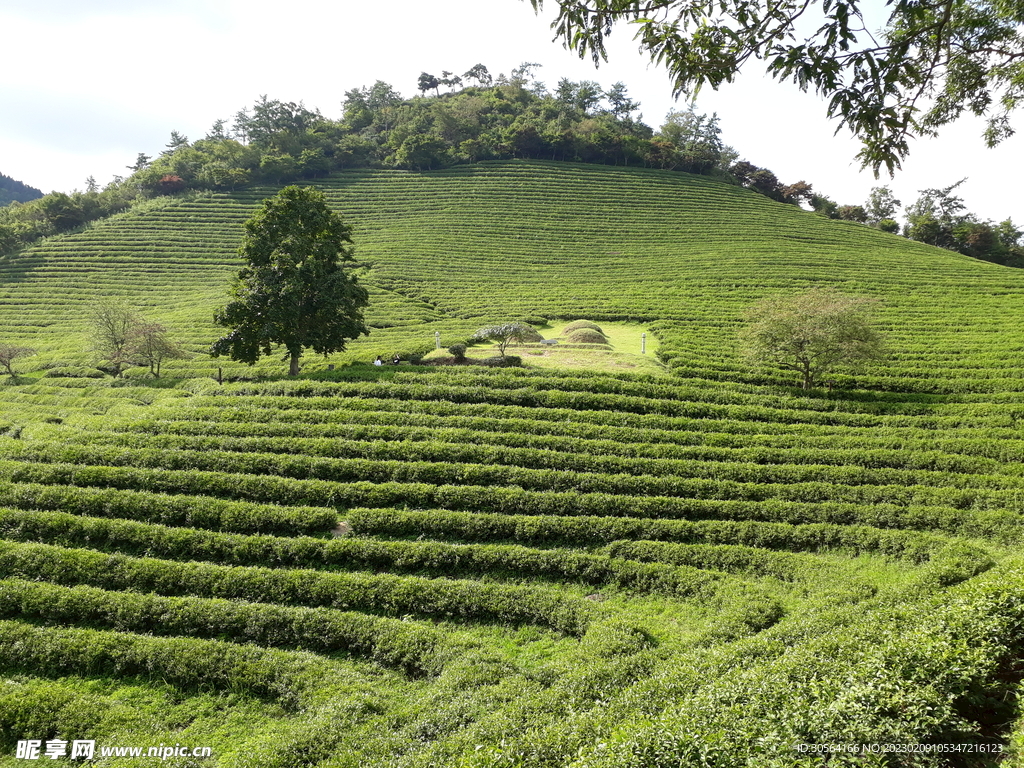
92 84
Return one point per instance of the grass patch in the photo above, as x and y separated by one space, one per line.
623 353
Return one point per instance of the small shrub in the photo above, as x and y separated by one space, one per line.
533 320
506 334
578 324
458 351
508 361
74 372
616 638
587 336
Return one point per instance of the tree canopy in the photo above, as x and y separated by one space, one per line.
506 334
492 118
12 190
939 217
812 333
122 338
11 352
294 291
928 64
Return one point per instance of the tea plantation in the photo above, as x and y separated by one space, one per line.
413 567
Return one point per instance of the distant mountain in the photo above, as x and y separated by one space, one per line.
12 189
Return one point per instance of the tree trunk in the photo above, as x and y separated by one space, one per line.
293 365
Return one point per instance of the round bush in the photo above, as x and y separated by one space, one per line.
587 336
533 320
529 334
576 325
458 351
74 372
508 361
616 638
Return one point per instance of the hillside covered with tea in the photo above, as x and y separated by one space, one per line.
465 566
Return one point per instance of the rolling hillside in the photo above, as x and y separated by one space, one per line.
519 567
448 250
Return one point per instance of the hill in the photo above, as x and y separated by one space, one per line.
412 566
452 249
12 190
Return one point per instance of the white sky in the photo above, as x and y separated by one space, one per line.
92 84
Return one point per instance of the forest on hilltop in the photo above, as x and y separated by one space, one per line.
12 190
479 118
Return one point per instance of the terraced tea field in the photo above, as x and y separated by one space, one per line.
452 250
459 566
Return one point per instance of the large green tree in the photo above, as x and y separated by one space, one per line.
812 333
888 73
294 292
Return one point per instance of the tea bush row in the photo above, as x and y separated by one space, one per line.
845 686
543 453
315 392
141 539
392 642
948 565
281 490
586 530
168 509
395 595
726 480
196 665
874 448
588 424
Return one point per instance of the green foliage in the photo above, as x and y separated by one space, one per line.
396 595
852 213
587 336
881 206
940 218
12 190
11 352
875 88
114 325
293 292
812 333
24 223
577 324
461 565
506 334
695 138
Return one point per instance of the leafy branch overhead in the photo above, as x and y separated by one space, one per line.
927 64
